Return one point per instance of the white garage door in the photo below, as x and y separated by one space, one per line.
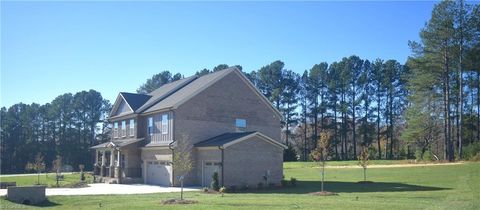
158 173
209 168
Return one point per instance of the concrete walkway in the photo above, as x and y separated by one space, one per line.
111 189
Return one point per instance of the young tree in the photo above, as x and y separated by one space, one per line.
363 161
38 166
57 167
320 154
182 162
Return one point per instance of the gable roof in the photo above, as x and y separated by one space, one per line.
174 94
227 139
117 143
165 91
188 91
134 100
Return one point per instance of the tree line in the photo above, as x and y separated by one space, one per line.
428 107
66 127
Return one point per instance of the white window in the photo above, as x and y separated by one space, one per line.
240 124
150 126
165 124
124 128
115 130
132 127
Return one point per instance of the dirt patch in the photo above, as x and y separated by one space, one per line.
178 201
323 193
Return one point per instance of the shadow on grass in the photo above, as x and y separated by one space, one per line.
348 187
13 205
47 203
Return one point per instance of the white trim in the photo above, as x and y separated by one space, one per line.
126 102
262 136
164 124
208 148
117 104
131 130
155 147
124 128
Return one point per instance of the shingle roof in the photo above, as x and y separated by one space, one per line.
222 139
135 100
165 91
172 95
188 90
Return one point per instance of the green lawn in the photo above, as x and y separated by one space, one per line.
426 187
49 179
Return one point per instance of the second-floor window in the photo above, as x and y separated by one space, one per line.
150 126
124 128
115 130
165 124
240 125
132 126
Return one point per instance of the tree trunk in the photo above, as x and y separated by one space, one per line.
478 105
354 125
449 145
391 124
335 128
378 127
305 132
460 88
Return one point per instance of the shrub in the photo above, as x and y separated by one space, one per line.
222 190
215 185
244 187
427 156
290 154
260 185
284 183
232 189
293 181
471 151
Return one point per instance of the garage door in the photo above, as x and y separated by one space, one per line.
209 168
158 173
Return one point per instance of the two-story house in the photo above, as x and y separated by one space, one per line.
230 126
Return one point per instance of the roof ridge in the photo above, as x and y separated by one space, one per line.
187 81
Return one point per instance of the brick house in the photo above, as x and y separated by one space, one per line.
230 126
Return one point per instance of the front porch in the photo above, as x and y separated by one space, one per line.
117 163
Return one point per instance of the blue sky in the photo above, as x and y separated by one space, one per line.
51 48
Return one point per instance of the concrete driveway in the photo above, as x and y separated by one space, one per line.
110 189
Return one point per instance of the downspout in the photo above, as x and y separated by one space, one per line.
222 149
170 146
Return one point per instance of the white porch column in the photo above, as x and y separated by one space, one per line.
112 158
96 157
103 158
118 158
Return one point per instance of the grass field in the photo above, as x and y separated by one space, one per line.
49 180
429 187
